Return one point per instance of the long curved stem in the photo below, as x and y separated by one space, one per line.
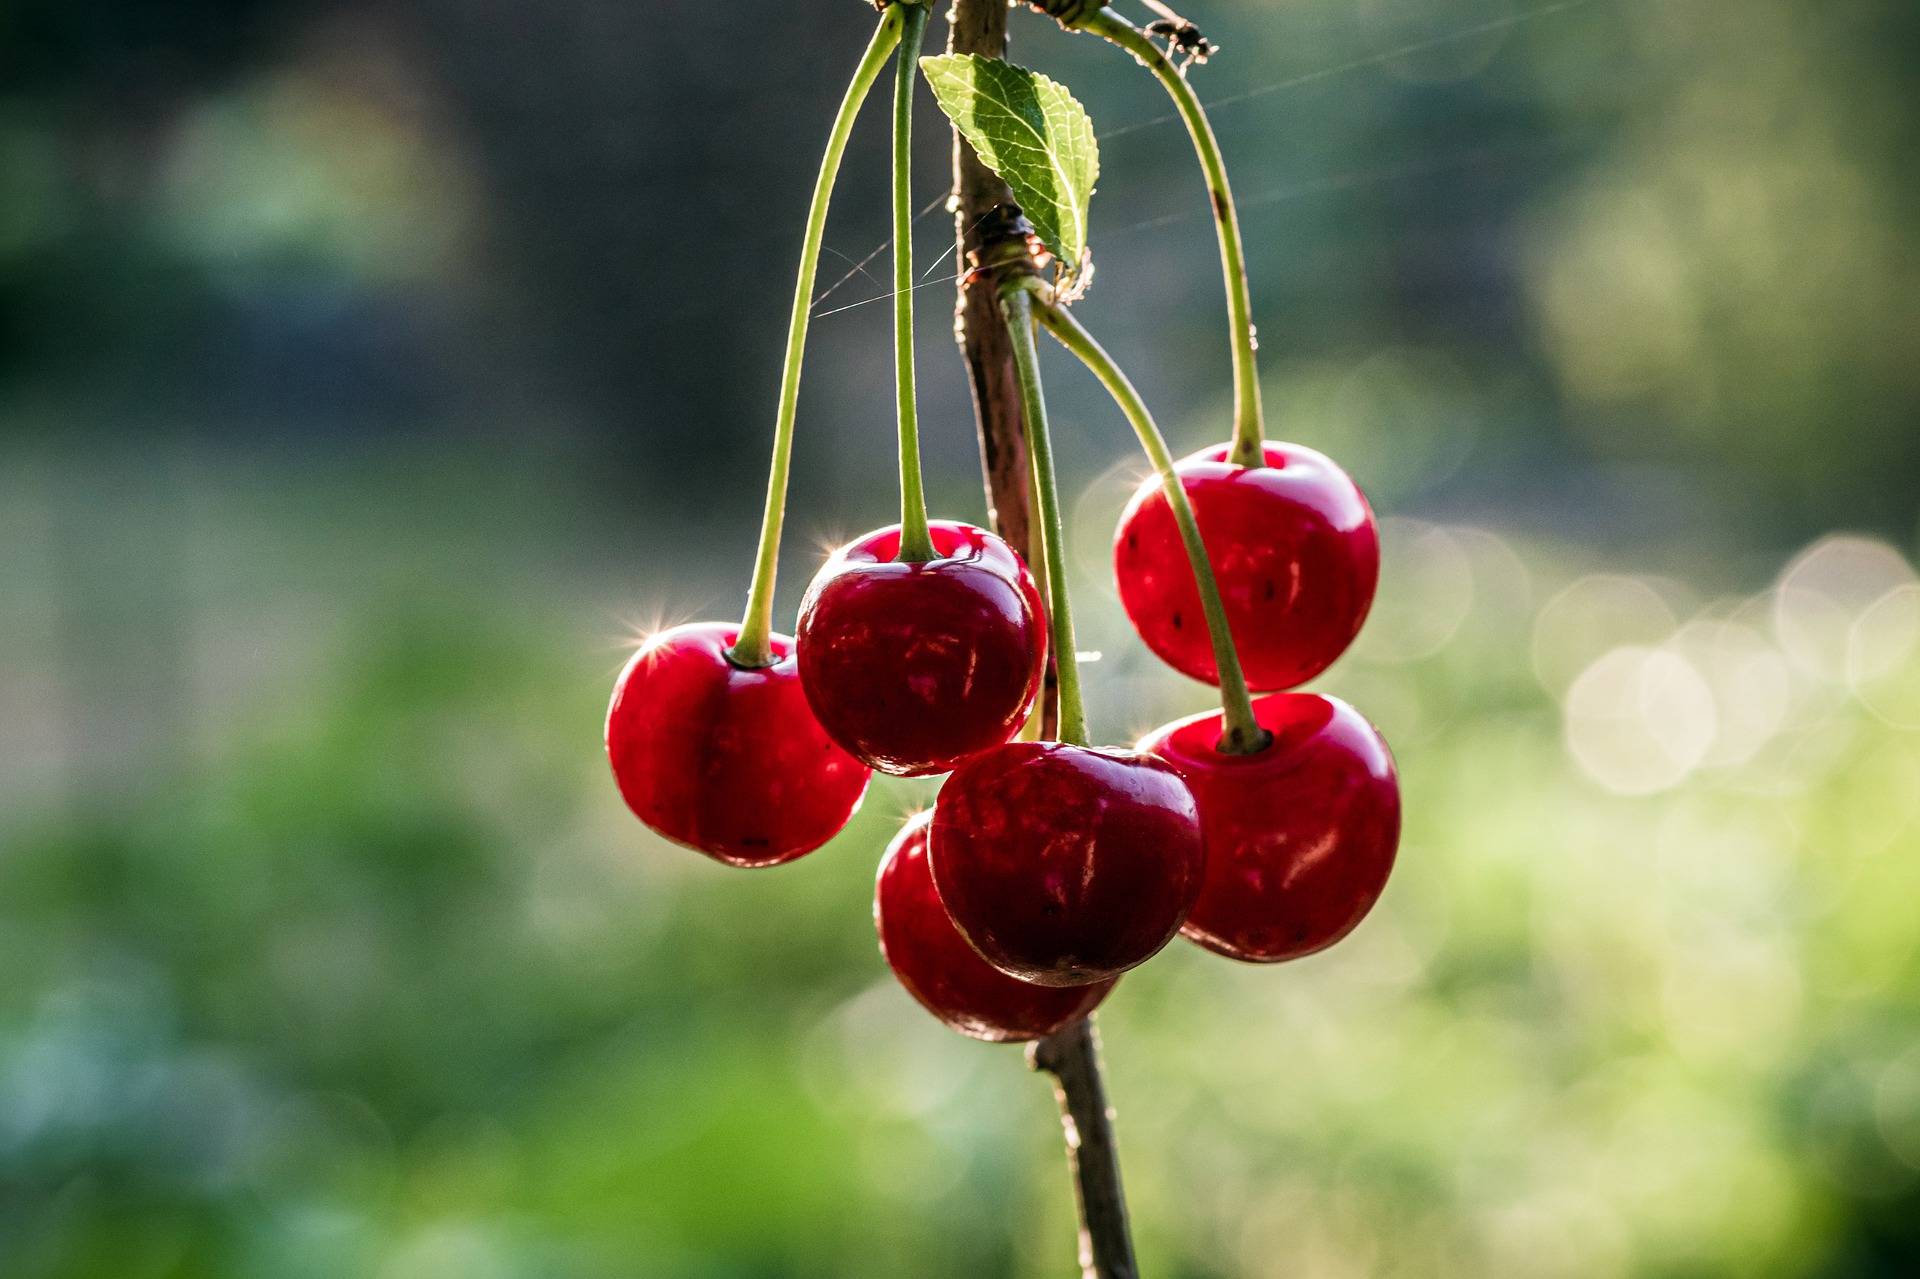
752 647
1017 306
1243 735
1249 430
916 543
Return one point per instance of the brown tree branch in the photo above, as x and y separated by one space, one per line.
989 224
987 221
1072 1057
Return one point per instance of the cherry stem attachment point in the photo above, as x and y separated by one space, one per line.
1243 735
1016 304
916 542
1249 430
752 649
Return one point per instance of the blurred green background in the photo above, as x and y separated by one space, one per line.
371 375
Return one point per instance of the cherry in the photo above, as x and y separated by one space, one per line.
1065 865
1300 837
914 667
1295 549
724 759
938 968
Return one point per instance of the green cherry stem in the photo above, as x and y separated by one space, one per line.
1016 303
1249 431
752 648
1243 735
916 543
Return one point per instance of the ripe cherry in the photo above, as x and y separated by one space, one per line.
938 968
1064 865
914 667
1300 837
1295 549
723 759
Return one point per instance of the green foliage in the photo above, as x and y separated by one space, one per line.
1034 134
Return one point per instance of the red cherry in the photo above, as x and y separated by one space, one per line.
1064 865
914 667
1293 545
726 760
1300 837
938 968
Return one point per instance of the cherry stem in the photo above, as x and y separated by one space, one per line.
916 542
1047 705
752 648
1249 431
1016 304
1243 735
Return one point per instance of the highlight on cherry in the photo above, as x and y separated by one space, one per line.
1050 864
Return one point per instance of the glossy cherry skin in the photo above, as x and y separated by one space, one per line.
1293 545
725 760
1064 865
938 968
914 667
1300 837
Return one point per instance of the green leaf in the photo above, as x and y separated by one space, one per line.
1030 131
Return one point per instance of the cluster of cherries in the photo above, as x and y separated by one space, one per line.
1046 869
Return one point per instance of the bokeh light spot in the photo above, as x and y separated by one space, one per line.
1825 591
1639 720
